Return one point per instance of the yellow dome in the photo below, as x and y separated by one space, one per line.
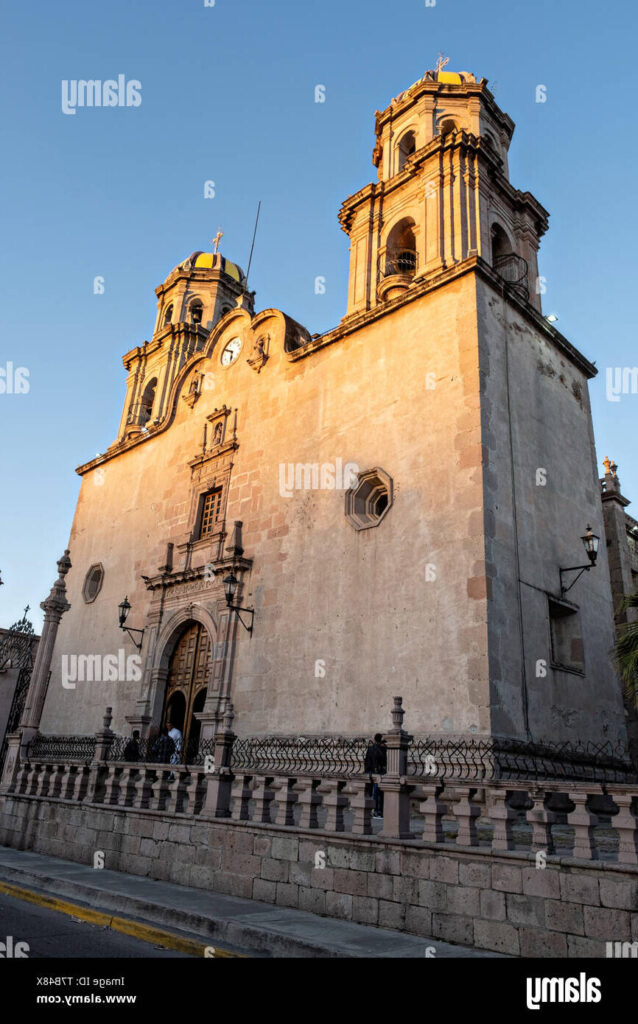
444 77
210 261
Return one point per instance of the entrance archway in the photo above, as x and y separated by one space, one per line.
188 673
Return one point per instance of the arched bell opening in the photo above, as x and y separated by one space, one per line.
405 149
511 267
147 402
398 263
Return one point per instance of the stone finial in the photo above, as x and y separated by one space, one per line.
64 564
56 603
398 713
108 718
607 465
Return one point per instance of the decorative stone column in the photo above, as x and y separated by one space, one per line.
54 608
220 780
99 768
396 795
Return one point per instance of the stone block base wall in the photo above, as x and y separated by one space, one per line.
500 902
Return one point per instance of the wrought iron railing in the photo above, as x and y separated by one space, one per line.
515 759
338 756
156 751
402 261
17 648
514 270
62 748
314 755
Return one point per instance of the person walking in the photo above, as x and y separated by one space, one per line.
375 766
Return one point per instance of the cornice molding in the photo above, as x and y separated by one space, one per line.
200 572
475 264
465 142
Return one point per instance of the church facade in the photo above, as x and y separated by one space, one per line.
389 505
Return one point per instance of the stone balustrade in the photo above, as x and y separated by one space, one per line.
588 821
319 785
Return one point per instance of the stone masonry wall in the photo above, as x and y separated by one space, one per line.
498 902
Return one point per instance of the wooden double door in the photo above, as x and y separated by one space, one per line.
188 675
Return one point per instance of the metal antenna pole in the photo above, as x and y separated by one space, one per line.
253 245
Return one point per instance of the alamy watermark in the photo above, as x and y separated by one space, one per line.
314 476
14 380
100 668
620 380
94 93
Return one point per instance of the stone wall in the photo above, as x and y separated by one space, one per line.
500 902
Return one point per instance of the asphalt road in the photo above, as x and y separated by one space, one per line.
52 934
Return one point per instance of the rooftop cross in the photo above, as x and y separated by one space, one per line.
217 239
441 62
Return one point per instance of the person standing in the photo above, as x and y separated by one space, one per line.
176 737
163 748
375 766
132 748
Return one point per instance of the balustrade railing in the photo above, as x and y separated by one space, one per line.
578 801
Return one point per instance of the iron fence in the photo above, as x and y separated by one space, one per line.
156 750
516 759
17 648
62 748
463 759
314 755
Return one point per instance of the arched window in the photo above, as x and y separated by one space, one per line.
447 126
168 315
500 244
406 147
196 311
511 267
400 252
146 405
491 141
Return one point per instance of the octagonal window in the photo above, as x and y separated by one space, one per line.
368 502
93 583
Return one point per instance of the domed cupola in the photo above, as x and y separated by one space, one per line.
201 290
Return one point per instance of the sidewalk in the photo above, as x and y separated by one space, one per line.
199 918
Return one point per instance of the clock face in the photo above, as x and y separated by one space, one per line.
230 352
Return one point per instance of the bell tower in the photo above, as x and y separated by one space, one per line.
442 195
195 296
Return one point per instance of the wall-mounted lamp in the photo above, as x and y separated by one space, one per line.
551 318
124 609
230 588
590 542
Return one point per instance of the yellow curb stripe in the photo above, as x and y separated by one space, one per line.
136 929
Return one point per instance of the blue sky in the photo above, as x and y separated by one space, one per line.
228 96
